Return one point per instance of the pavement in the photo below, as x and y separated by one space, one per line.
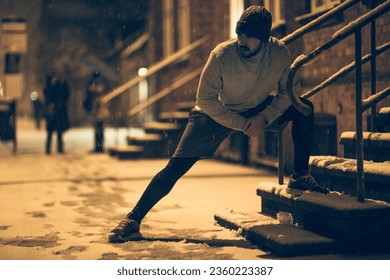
62 206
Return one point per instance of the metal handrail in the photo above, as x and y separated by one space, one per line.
153 69
344 71
167 90
337 37
374 99
353 27
102 107
318 21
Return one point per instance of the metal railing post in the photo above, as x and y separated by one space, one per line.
373 68
359 116
280 158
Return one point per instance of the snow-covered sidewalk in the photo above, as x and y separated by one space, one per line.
63 206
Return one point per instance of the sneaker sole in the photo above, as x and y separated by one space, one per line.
115 238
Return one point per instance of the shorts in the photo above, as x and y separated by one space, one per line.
202 135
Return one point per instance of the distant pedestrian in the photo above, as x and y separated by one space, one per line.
56 110
96 88
234 94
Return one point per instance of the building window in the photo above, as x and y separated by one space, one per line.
322 5
236 9
275 7
12 63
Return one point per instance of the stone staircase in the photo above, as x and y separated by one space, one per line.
160 138
384 118
340 173
311 223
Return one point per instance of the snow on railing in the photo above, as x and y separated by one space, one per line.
318 21
362 21
374 99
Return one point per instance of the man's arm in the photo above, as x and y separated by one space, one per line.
207 98
281 101
254 124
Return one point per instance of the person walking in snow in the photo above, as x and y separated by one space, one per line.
234 95
96 88
56 110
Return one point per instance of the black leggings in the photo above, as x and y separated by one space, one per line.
163 182
161 185
60 142
302 135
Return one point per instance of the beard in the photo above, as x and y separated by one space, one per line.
246 52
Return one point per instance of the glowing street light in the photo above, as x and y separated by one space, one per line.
142 71
34 95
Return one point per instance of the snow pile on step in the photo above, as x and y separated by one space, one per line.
245 220
367 136
342 202
384 110
334 200
349 165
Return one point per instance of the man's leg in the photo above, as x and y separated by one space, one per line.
159 186
302 135
60 143
302 131
48 141
200 139
99 136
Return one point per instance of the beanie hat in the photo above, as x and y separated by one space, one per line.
256 22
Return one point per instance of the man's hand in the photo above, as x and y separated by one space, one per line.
254 125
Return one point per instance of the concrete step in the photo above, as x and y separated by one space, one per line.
339 174
376 145
359 225
126 151
154 145
160 138
140 139
170 132
177 117
162 128
284 239
384 119
185 106
384 114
